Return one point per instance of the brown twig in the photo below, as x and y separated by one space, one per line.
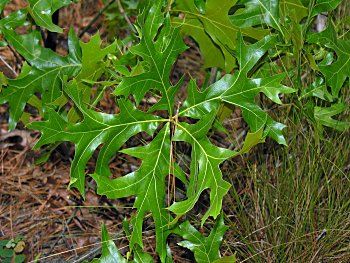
63 231
9 71
213 74
95 18
122 11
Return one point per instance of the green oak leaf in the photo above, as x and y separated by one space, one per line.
240 91
159 52
323 115
338 71
324 6
92 54
45 75
15 19
110 253
205 249
147 184
205 171
213 30
251 140
205 161
257 13
92 68
317 89
109 130
48 69
42 11
141 256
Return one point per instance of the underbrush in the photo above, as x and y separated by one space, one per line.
292 204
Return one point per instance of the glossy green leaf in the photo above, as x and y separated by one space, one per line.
110 253
204 168
205 249
212 29
338 71
147 184
241 91
252 140
159 52
141 256
48 69
92 55
323 115
258 13
15 19
317 89
92 68
324 6
42 11
110 130
46 73
205 172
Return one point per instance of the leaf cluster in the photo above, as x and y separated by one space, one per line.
257 46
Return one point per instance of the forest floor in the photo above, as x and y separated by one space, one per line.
288 203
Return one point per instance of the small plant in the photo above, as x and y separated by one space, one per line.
247 39
11 250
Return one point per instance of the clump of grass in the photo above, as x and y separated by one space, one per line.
292 204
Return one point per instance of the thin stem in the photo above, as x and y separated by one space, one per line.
10 72
213 73
122 11
95 18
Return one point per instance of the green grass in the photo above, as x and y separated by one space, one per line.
292 204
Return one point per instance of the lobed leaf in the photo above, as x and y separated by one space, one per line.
45 75
212 29
159 52
205 171
323 115
258 13
206 249
241 91
110 253
147 184
42 11
111 130
15 19
335 72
